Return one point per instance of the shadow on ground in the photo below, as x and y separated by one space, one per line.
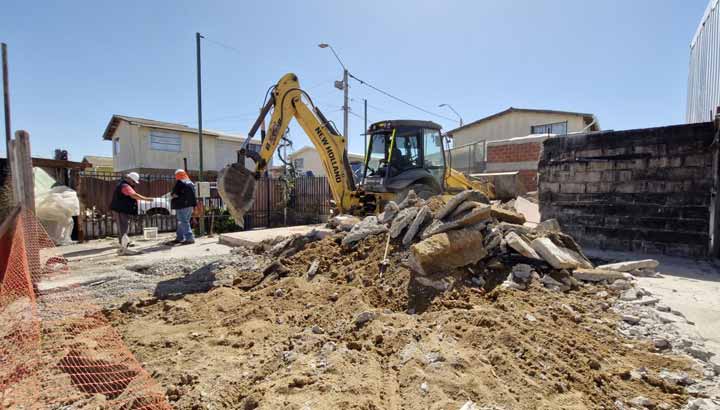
198 281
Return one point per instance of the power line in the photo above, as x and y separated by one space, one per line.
365 83
225 46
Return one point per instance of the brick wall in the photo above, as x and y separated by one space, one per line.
641 190
516 155
499 152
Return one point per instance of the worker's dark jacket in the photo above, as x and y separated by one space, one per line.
183 196
123 203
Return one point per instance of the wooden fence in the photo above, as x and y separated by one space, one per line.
277 203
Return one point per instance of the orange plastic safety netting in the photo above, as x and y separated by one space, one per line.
57 350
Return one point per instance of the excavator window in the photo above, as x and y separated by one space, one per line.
434 159
406 151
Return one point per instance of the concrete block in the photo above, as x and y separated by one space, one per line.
572 188
447 251
598 275
556 256
520 245
505 215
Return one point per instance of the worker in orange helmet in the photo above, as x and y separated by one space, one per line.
183 201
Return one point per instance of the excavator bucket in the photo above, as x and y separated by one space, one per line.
236 185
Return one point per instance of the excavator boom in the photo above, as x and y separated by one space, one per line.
237 184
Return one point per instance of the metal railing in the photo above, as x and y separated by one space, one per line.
469 158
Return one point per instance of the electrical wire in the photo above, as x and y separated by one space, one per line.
223 45
365 83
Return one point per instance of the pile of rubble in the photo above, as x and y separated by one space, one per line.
469 232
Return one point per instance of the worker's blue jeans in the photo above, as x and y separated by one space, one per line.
184 230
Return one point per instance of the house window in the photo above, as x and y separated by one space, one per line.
116 146
165 141
298 164
559 128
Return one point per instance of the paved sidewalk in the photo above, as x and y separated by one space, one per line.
690 286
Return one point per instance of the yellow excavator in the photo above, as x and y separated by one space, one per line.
402 155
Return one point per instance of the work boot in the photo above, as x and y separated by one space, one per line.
190 242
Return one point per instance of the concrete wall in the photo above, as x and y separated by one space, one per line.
512 125
136 153
641 190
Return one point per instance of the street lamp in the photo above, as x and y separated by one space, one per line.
343 86
453 110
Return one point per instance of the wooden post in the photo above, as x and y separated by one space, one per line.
23 171
77 176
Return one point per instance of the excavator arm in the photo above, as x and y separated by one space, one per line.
237 184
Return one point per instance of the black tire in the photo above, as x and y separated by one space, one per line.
423 191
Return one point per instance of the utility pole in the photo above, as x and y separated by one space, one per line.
343 85
6 101
346 107
199 105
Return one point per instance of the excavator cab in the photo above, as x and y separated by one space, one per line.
404 155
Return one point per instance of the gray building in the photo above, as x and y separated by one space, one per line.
704 76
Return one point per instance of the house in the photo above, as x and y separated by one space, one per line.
98 164
306 159
145 146
520 122
470 141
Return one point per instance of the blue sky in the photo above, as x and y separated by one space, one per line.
75 63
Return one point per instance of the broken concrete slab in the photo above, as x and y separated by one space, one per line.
447 251
505 215
455 201
411 199
368 226
389 213
404 218
343 223
556 256
421 218
520 246
462 208
548 225
631 265
479 213
598 275
530 210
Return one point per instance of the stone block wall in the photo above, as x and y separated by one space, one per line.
645 190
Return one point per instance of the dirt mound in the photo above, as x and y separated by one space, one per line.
349 338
